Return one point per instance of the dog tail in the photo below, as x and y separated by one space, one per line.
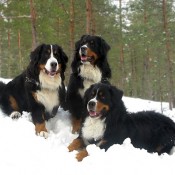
2 86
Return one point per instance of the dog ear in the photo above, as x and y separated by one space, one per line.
65 57
116 93
36 54
34 58
104 47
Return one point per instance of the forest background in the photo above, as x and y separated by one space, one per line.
141 34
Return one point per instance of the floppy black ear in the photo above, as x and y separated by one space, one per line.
36 54
117 94
64 56
65 60
104 47
34 59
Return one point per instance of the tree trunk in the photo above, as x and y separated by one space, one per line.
93 30
168 56
122 77
9 54
0 55
19 51
88 16
33 24
72 26
146 82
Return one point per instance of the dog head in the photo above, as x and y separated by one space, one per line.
100 99
48 59
90 49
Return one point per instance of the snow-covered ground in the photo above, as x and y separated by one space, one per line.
24 153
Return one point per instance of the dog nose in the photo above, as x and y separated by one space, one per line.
53 65
83 49
91 104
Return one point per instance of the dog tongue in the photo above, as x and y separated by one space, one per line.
83 58
93 114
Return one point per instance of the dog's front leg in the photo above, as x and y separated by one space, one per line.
38 116
81 155
76 144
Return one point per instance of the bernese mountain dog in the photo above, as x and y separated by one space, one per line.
89 66
108 123
39 89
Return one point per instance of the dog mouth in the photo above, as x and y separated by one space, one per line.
85 58
51 73
94 114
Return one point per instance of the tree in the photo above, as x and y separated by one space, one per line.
168 55
72 23
33 25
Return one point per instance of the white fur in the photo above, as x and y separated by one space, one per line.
43 134
48 95
91 75
15 115
93 128
49 98
94 100
81 47
50 60
48 82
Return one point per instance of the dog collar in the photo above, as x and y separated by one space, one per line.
31 80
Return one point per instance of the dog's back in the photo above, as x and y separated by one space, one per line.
2 86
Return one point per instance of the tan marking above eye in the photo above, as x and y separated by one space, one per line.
48 50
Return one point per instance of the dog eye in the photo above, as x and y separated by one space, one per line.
55 53
102 96
91 42
92 94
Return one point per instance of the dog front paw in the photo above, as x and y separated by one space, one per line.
43 134
81 155
76 144
15 115
41 130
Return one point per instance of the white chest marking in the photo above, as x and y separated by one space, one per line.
47 82
49 98
90 74
93 128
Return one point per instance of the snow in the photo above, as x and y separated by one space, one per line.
24 153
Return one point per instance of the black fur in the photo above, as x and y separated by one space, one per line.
23 88
74 100
149 130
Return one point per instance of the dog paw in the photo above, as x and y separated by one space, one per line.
43 134
15 115
81 155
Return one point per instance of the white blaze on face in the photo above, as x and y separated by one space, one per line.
50 61
93 100
84 46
